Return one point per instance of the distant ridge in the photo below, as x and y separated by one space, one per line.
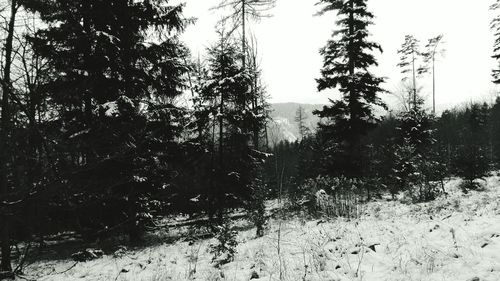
284 126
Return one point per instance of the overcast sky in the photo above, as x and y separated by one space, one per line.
290 40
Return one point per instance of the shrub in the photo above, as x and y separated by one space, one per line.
333 196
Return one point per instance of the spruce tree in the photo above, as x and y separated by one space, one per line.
347 59
241 11
300 117
222 93
495 132
118 66
471 161
414 166
235 179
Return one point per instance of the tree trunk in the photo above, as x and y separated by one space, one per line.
414 84
243 45
255 105
353 100
243 31
4 142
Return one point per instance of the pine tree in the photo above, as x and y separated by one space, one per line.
433 50
409 63
347 58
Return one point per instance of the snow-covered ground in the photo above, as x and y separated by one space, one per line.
452 238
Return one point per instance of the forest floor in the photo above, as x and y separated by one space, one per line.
456 237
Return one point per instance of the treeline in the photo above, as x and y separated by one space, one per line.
358 154
95 138
412 152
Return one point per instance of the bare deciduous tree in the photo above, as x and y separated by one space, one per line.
240 12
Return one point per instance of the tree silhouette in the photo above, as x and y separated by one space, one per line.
346 59
410 56
300 117
110 59
241 11
5 135
432 51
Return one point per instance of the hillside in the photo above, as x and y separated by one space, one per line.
455 238
284 127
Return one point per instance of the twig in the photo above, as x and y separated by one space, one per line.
305 265
70 268
280 221
20 266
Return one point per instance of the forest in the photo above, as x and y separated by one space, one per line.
99 150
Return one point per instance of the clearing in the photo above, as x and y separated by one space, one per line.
456 237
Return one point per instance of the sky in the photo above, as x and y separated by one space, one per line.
289 44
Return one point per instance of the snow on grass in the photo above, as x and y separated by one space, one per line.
456 237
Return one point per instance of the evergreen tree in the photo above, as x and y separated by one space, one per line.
380 158
241 11
118 65
416 127
471 161
433 50
300 117
259 105
495 132
347 59
495 27
409 62
235 163
414 168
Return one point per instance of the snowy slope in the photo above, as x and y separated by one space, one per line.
283 125
453 238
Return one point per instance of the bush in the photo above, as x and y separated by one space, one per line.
333 196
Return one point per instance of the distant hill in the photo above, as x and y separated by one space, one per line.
284 126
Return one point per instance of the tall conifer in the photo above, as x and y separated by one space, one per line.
347 59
